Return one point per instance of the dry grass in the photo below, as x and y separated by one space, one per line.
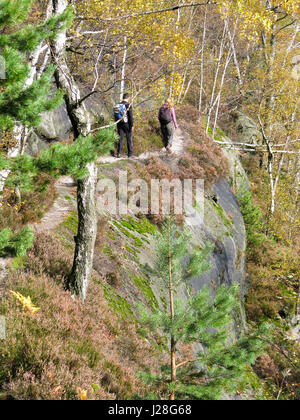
32 207
203 158
66 344
147 134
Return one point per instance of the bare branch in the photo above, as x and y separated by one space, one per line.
152 12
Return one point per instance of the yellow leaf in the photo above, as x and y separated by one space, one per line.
26 302
82 394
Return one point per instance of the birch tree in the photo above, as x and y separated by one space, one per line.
81 123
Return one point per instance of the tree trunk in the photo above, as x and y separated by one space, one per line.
212 99
86 236
123 75
238 71
220 92
87 216
173 343
202 63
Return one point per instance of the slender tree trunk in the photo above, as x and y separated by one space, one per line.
187 88
183 83
269 165
236 63
123 76
173 343
87 216
220 92
202 61
178 20
221 52
231 53
277 178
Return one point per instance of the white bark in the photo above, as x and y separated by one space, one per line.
229 56
202 61
99 58
123 75
87 216
269 166
221 52
237 66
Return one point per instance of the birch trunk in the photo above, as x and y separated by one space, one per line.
269 166
236 63
123 76
202 61
87 215
220 91
221 52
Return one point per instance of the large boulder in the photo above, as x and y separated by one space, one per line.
55 125
246 129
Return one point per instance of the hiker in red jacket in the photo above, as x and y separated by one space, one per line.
167 118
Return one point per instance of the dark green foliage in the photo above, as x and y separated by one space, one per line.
13 12
16 244
72 159
252 217
197 263
60 159
29 37
18 102
220 364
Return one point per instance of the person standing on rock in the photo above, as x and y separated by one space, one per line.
124 115
168 122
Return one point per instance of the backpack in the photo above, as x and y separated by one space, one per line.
120 113
165 116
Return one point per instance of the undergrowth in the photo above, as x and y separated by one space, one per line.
65 345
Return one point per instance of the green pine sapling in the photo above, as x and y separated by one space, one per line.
220 364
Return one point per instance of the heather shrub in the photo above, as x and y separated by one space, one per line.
189 114
262 300
203 158
156 168
49 257
33 203
273 267
66 344
203 161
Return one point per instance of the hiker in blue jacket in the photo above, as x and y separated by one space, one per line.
124 116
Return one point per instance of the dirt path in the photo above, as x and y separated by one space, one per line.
65 188
177 149
64 203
